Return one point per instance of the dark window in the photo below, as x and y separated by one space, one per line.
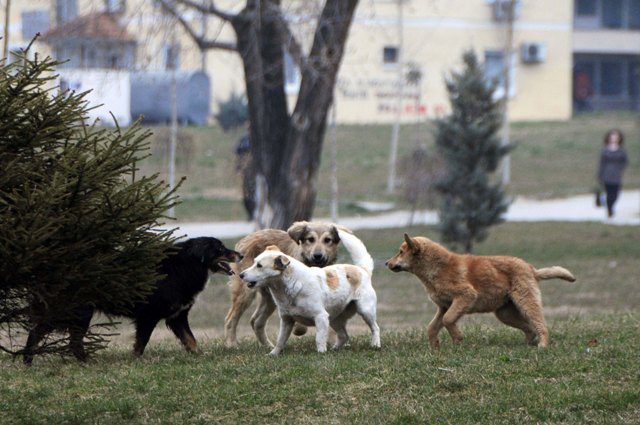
390 55
172 56
634 14
494 67
583 80
66 10
612 14
586 7
611 78
34 21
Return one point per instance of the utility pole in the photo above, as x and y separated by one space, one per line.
508 53
203 34
173 139
334 162
395 133
7 14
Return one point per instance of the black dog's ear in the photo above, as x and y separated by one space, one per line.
280 262
297 230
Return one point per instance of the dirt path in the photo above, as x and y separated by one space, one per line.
576 208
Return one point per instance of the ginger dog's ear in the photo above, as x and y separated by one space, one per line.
272 248
297 230
410 242
280 262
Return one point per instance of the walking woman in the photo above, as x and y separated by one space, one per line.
613 161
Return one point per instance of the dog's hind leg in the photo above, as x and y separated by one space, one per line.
366 308
265 309
179 325
342 337
241 299
339 325
526 297
144 328
509 315
77 333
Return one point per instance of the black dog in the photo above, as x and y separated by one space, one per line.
186 267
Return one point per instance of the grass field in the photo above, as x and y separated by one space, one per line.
552 159
492 377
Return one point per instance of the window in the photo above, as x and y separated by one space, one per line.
494 71
586 7
611 78
634 14
34 21
115 6
66 10
612 14
390 55
172 56
291 74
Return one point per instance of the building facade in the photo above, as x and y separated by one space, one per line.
567 56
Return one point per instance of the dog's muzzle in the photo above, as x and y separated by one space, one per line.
393 267
250 283
317 260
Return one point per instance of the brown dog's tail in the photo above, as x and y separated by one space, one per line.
553 273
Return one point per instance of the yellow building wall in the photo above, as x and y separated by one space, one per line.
436 33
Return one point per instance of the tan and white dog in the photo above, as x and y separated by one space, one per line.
319 297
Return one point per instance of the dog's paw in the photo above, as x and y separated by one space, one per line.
273 353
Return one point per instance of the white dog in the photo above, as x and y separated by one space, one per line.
319 297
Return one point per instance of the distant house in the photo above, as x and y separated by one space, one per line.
92 41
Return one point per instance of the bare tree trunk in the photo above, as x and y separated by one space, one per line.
286 149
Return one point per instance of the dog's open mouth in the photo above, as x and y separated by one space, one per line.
224 267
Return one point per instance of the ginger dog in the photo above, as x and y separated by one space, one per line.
319 297
463 284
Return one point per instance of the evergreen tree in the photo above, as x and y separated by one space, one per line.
468 141
77 224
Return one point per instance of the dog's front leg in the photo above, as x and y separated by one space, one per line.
322 331
435 326
286 326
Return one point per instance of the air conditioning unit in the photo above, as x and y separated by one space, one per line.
533 52
501 9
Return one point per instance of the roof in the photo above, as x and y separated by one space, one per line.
92 26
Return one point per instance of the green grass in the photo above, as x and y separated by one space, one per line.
491 378
552 159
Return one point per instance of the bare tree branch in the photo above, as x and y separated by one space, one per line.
211 9
202 42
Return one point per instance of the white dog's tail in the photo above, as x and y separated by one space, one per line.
357 250
555 272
